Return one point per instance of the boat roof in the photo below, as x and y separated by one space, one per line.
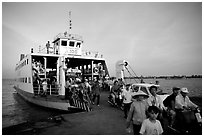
65 35
145 84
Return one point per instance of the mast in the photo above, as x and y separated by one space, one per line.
70 22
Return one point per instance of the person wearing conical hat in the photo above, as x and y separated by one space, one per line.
183 101
137 112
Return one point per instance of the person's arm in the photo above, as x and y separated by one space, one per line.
143 127
111 91
149 101
89 86
190 103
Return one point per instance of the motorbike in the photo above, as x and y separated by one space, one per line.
188 122
118 101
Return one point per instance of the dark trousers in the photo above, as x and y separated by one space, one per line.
98 98
66 93
136 129
126 109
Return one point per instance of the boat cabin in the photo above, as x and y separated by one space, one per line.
68 44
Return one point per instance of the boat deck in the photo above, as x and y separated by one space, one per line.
53 98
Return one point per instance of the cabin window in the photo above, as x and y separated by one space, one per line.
64 43
26 80
71 43
78 44
27 61
135 88
29 80
144 90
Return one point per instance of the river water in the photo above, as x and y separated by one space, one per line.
15 110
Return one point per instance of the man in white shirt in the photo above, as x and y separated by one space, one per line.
127 99
154 99
182 105
183 101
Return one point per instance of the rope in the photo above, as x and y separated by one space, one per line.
130 73
133 71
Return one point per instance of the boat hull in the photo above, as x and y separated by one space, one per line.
52 102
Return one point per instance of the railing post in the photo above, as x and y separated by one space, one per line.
38 89
50 89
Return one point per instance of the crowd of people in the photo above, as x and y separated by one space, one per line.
85 91
146 112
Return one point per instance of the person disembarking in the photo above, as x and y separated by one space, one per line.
137 113
114 91
169 102
68 89
183 102
88 90
151 126
127 99
44 87
96 91
185 116
155 100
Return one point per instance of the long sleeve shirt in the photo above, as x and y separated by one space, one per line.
137 112
183 102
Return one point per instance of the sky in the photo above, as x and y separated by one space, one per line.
156 39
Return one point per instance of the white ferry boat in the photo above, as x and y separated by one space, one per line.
49 68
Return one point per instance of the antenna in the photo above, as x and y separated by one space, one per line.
70 22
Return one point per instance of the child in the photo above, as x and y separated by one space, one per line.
151 126
137 112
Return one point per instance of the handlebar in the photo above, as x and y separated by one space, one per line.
190 109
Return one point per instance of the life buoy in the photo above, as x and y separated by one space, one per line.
95 70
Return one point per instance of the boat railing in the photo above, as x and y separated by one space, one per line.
94 54
66 35
51 89
85 53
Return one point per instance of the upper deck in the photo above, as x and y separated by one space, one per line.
68 45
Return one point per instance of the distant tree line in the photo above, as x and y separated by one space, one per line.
165 77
